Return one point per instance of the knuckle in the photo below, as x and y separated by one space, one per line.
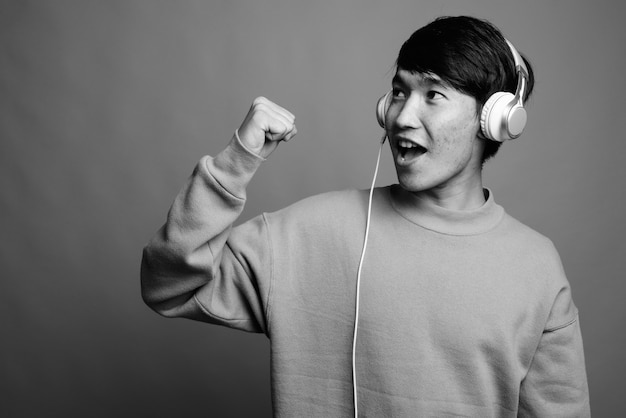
259 101
260 113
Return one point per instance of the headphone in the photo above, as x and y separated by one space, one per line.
503 116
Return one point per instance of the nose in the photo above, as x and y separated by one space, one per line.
408 114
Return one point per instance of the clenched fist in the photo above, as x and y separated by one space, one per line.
265 125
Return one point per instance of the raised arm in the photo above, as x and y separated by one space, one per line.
197 266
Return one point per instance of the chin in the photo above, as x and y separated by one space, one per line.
410 185
416 182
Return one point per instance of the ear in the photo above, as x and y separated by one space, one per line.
479 111
481 142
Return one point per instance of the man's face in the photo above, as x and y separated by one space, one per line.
432 130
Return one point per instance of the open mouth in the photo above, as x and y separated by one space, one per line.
408 150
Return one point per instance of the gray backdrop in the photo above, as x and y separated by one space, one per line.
105 107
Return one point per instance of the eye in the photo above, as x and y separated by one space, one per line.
434 95
397 93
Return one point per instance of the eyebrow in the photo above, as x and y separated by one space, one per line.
424 78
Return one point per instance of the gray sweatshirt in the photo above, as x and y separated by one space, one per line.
462 313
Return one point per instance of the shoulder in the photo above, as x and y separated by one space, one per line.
328 201
527 239
325 202
537 255
535 251
328 208
338 210
535 248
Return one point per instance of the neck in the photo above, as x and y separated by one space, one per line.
422 211
467 195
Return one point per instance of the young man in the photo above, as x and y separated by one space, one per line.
463 311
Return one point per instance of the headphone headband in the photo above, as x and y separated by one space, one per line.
517 58
522 73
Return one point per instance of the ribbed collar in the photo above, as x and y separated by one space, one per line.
446 221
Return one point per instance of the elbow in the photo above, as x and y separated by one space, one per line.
163 290
152 283
160 301
149 295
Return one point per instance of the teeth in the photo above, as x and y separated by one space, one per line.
406 144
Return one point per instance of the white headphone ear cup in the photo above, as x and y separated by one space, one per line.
493 118
381 109
516 121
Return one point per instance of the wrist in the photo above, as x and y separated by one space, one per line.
237 139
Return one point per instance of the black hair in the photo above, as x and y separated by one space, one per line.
469 54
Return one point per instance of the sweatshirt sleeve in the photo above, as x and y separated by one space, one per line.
556 383
198 265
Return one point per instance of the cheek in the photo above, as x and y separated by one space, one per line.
457 137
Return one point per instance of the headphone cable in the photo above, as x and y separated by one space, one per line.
358 280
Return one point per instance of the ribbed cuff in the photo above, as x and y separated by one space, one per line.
234 167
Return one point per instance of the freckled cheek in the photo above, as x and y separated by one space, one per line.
456 140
